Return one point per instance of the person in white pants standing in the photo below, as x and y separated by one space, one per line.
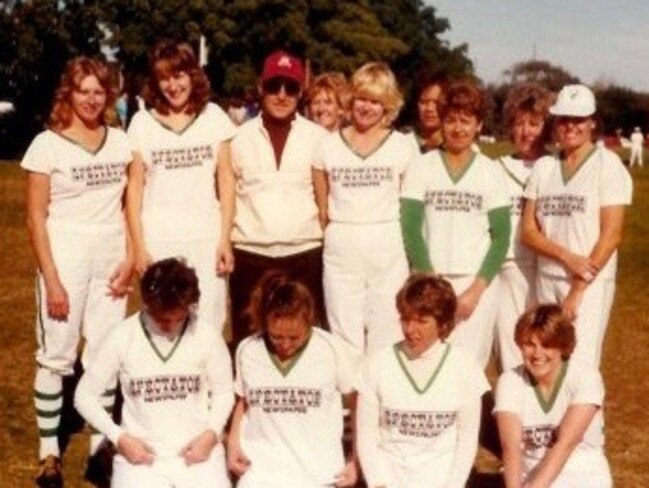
637 142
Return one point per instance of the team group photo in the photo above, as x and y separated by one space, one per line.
256 266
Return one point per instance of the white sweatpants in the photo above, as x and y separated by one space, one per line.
172 473
476 334
200 255
364 267
592 315
636 157
85 258
517 293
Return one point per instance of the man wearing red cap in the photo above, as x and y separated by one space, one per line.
276 223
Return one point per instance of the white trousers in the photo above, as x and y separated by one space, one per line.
476 334
592 315
364 267
172 473
636 156
200 255
517 294
85 258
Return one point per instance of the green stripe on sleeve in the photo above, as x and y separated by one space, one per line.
500 228
412 222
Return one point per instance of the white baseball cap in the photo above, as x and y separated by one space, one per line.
574 101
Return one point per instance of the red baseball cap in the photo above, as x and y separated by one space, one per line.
282 64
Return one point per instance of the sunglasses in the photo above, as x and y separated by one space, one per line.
274 86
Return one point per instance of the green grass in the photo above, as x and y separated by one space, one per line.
624 367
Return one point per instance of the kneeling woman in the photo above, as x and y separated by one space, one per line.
287 425
419 404
176 379
549 409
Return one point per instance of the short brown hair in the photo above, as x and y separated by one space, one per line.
550 325
428 295
530 98
277 295
74 73
332 82
464 96
169 284
167 58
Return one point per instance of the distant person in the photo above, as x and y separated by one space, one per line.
327 100
637 143
76 175
573 218
276 223
428 129
237 111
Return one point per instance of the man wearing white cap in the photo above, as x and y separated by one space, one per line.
573 216
276 223
637 140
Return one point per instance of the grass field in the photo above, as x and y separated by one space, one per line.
624 368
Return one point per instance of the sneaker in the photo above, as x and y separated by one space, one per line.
49 473
99 470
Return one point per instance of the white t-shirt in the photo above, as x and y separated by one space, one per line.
86 188
171 394
456 221
581 384
516 173
292 430
568 212
180 200
276 210
365 189
637 140
419 403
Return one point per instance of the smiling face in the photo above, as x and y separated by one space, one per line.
287 335
427 108
459 130
367 113
420 332
527 132
88 100
542 362
325 110
574 132
176 87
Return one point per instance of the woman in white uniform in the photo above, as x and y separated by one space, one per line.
455 217
75 183
287 425
357 178
181 185
525 114
549 409
419 400
573 217
176 380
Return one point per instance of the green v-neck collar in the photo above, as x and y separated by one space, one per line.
92 152
564 170
398 351
456 176
163 357
372 152
285 367
546 405
167 127
511 174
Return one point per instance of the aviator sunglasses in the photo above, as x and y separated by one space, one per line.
274 86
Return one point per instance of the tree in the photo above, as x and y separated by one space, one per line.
551 76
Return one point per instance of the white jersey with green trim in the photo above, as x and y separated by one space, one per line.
568 209
456 207
365 189
516 172
86 187
577 384
174 389
180 200
292 429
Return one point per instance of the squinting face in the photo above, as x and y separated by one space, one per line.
176 88
367 113
459 130
325 110
427 108
420 332
527 131
574 132
169 321
540 361
287 335
88 100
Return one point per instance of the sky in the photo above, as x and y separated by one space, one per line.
596 40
